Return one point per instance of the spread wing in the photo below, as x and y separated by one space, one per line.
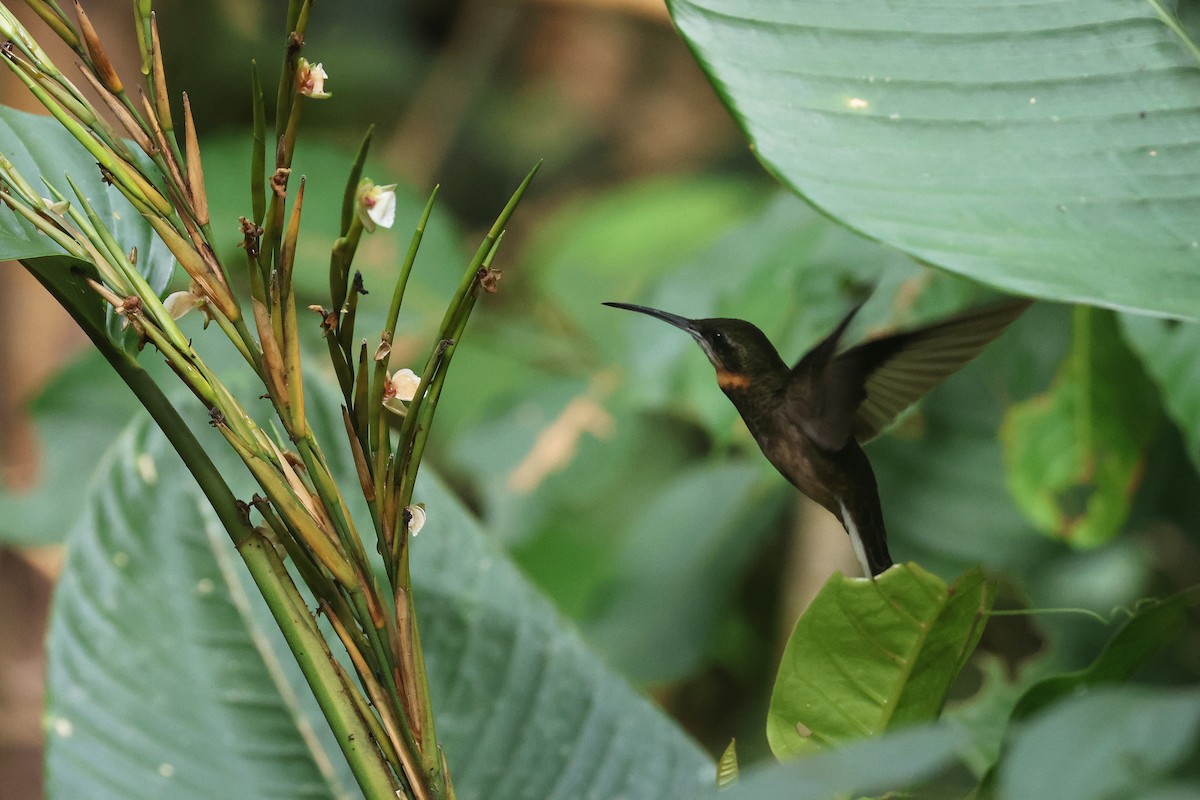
860 391
821 397
898 370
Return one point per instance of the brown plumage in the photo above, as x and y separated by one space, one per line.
811 419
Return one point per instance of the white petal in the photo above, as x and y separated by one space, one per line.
383 210
180 303
405 383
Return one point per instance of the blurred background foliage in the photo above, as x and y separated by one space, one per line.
593 444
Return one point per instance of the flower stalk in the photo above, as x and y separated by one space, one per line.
379 707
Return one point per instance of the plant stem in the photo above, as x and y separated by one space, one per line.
283 599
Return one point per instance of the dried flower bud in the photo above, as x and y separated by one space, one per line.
376 205
310 80
489 280
279 181
400 389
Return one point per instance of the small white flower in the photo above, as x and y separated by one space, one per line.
179 303
310 80
401 388
404 384
416 518
376 205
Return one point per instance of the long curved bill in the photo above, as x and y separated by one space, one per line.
683 323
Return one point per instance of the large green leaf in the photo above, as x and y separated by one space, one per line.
1047 148
1074 455
1109 743
524 708
41 148
167 677
871 654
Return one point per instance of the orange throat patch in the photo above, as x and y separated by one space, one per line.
732 381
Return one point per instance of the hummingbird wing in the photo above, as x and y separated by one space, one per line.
900 369
820 396
860 391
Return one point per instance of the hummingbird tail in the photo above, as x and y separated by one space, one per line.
864 523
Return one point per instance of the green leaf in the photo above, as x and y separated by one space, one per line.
1108 743
868 655
677 569
39 147
861 769
1154 625
167 677
524 708
1074 456
1045 149
1170 353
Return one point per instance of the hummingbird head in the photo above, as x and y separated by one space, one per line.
739 351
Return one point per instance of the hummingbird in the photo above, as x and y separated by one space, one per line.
811 419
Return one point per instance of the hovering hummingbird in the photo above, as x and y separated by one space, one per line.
812 419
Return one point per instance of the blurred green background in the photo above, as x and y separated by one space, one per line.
594 444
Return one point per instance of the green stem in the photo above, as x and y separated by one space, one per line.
353 733
308 646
